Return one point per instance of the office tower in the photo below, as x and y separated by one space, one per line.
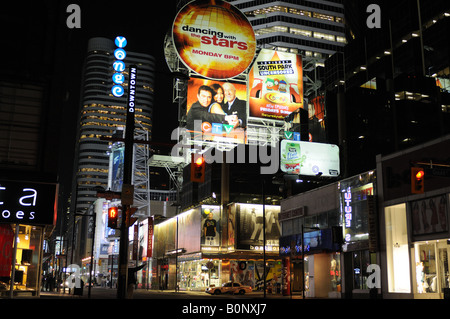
309 28
389 89
102 114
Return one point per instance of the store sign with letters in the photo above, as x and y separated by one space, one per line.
28 203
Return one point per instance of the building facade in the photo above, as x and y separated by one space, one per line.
207 246
333 229
387 90
310 28
101 114
414 227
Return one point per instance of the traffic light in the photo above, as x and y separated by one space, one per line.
113 214
198 169
417 180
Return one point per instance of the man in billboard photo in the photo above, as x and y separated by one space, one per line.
234 105
200 110
209 229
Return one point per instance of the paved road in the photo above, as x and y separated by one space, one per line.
108 293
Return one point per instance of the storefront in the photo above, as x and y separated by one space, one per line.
28 213
198 274
431 272
417 255
179 247
415 226
311 229
203 247
322 264
360 232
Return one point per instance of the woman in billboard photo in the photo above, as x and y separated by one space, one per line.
218 97
200 110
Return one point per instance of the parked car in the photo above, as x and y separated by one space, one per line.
229 287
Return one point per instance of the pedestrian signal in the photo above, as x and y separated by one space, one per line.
113 214
417 180
198 169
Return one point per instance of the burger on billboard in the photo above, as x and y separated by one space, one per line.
214 39
276 85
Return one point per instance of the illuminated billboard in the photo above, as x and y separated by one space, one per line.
219 107
248 227
276 85
310 159
214 39
211 229
117 158
316 122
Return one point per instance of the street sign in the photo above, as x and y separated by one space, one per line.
127 194
438 171
109 195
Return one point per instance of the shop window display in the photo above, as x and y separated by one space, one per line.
432 270
198 274
426 275
335 272
26 265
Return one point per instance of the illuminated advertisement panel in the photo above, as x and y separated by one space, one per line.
316 115
430 216
249 227
117 158
355 210
220 108
210 228
356 197
214 39
188 228
276 85
165 237
310 159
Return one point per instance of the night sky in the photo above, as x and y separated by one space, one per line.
144 25
37 46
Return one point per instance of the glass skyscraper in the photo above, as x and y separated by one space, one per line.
102 114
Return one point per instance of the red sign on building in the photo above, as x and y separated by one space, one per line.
150 237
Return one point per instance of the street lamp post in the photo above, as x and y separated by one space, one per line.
92 248
94 216
264 235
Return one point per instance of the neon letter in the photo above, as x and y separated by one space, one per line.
34 196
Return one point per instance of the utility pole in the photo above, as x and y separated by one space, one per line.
128 165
